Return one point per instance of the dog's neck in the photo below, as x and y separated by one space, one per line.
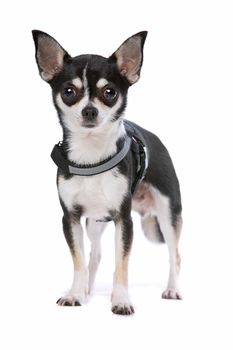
94 145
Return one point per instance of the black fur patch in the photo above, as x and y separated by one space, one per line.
125 219
67 220
161 173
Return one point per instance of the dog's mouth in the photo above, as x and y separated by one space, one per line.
89 125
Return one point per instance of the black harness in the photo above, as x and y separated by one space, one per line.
133 142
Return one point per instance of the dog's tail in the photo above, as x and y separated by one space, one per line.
151 229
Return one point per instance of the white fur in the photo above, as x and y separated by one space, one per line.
94 233
85 82
120 296
96 194
90 146
79 289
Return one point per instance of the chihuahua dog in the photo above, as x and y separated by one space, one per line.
108 166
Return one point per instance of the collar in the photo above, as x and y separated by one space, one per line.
92 169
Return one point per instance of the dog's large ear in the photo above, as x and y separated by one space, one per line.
129 57
50 55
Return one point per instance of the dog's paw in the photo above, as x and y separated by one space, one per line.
123 309
121 304
69 300
172 294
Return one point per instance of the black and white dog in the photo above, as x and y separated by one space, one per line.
108 166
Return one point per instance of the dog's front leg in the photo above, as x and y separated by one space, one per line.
123 241
74 236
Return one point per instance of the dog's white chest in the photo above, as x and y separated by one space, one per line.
97 195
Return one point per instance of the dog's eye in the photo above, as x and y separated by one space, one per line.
109 93
70 95
69 92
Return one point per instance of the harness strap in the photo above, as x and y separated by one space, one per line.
134 142
139 150
89 170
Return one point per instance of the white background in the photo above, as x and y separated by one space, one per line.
185 97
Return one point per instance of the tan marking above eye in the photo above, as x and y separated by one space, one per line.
78 83
101 83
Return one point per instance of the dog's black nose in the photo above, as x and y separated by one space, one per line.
90 113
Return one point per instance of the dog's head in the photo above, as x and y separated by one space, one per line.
89 91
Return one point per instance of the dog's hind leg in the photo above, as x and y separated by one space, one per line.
171 233
94 231
151 228
161 224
